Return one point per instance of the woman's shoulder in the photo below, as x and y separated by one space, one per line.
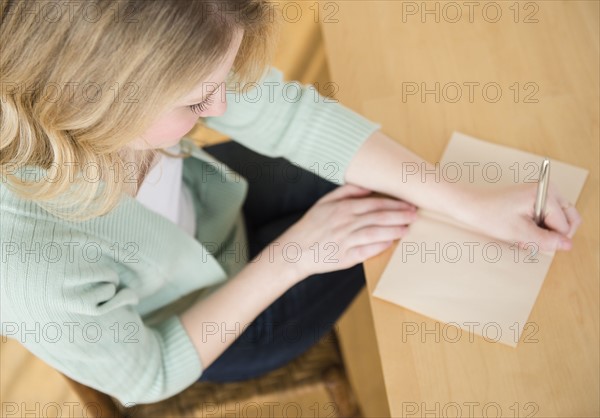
52 270
41 253
24 220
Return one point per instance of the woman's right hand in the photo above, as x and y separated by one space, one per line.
344 228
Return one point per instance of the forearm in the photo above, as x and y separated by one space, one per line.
384 165
215 322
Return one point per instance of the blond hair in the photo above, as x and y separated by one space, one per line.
79 84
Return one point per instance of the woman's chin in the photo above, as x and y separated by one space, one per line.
157 144
170 143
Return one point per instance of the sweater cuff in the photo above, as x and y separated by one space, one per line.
182 361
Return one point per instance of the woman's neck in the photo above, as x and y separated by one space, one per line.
145 169
142 168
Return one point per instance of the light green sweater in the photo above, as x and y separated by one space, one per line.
98 300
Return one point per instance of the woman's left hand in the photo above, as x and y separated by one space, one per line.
508 214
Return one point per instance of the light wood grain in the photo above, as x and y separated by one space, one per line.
356 333
373 54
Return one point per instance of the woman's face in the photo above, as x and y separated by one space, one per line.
206 99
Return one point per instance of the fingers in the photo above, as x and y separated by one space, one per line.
345 191
370 204
565 217
556 218
385 218
374 234
364 252
571 215
548 240
573 218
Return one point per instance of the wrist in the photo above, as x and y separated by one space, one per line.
277 267
441 196
461 203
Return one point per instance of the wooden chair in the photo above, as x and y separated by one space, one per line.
313 384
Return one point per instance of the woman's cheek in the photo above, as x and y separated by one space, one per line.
168 131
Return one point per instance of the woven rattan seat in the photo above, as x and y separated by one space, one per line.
313 384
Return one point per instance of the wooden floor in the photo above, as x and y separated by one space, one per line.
29 387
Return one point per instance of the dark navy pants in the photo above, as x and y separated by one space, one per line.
279 193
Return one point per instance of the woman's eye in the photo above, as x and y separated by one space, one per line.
201 107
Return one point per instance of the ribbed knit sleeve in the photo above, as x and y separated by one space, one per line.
75 312
292 120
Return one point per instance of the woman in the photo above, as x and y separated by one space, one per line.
136 272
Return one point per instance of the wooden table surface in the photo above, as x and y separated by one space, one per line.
520 74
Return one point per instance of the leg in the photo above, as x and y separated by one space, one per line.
306 311
289 326
276 187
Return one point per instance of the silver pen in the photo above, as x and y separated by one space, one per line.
542 191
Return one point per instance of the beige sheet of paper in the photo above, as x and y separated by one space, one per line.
448 272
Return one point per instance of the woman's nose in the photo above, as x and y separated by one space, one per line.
219 104
218 108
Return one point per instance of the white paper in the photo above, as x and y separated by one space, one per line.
451 273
